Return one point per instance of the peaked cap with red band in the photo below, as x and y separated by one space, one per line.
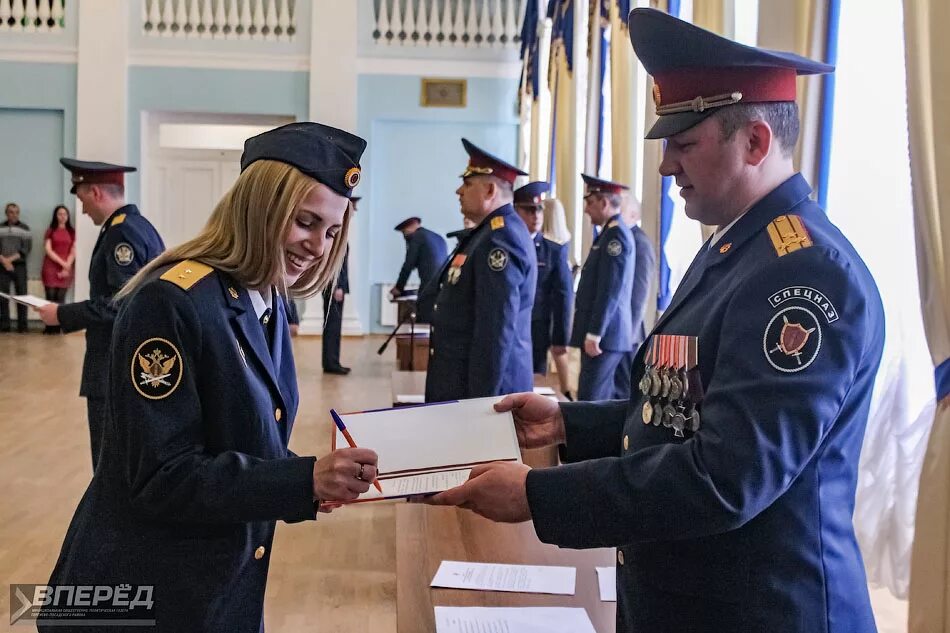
696 71
481 163
85 172
597 185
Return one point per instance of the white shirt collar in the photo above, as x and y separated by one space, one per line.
259 302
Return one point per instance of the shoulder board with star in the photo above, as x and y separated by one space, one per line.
788 234
119 219
187 273
497 223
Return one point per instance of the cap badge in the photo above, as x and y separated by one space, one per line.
352 177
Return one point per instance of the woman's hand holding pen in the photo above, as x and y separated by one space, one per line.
344 474
538 420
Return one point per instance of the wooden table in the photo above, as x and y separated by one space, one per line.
407 383
427 535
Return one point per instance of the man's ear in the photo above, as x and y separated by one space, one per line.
758 142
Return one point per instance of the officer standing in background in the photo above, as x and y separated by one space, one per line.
425 253
728 482
127 241
602 324
333 314
480 341
554 293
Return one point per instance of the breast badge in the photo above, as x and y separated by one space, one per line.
156 369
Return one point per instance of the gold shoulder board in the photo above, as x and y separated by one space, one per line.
788 234
611 224
119 219
187 273
497 223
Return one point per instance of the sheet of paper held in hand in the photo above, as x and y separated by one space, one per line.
512 620
27 300
497 577
431 448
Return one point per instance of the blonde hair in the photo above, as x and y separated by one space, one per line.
245 234
554 224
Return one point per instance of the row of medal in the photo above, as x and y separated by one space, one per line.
671 383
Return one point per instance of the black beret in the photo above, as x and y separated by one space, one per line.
324 153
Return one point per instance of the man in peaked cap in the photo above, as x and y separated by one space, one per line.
727 481
554 293
425 253
333 314
127 241
602 323
480 341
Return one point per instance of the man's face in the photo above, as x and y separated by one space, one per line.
595 205
532 214
707 168
13 213
90 196
474 194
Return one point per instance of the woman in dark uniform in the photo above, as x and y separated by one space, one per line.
195 469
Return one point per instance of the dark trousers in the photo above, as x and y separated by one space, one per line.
332 326
602 377
56 295
540 343
96 411
16 278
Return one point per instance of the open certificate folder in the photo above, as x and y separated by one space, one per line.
430 448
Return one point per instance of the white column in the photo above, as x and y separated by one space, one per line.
101 103
333 31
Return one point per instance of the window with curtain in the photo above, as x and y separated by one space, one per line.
869 198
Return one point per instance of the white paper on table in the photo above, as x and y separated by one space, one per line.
544 391
27 300
498 577
512 620
410 398
607 581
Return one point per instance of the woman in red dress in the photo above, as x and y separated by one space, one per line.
60 245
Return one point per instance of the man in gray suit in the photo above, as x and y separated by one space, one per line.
644 270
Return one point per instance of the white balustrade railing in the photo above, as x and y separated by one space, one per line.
31 16
270 20
482 23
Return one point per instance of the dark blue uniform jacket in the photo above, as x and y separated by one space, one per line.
127 241
480 341
425 253
195 469
746 524
603 294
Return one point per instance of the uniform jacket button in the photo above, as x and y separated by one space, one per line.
626 440
620 556
278 414
260 551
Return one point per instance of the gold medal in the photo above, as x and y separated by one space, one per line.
647 412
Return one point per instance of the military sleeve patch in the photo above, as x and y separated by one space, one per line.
497 223
156 369
792 339
497 259
614 248
124 254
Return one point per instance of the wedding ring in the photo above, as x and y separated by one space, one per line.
360 476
